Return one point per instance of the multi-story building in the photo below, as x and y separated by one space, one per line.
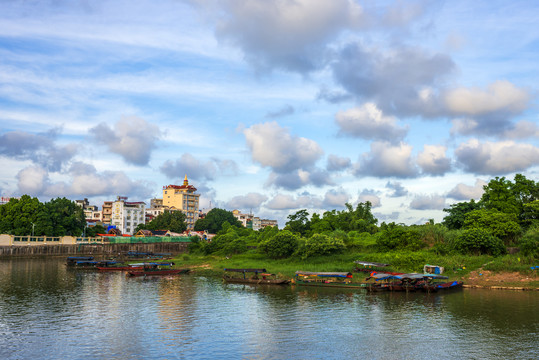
182 198
127 215
253 222
91 212
106 213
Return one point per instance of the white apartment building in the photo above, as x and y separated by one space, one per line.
127 215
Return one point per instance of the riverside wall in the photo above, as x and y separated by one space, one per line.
105 250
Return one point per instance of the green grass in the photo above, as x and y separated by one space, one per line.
456 266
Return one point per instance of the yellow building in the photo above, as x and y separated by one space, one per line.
182 197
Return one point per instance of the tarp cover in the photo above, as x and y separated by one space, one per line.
324 274
366 263
248 270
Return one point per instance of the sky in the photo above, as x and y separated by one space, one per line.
269 107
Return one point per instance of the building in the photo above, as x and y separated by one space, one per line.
253 222
178 198
91 212
106 213
127 215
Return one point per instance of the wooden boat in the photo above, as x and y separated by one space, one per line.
121 267
152 269
449 285
259 277
73 260
327 279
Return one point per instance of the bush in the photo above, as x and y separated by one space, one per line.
529 244
319 244
479 241
281 245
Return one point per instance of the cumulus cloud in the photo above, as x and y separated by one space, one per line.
335 198
370 196
368 122
284 111
433 161
499 96
522 130
397 188
274 147
386 159
337 163
196 169
496 158
248 201
290 35
298 178
39 148
132 138
402 81
288 202
467 192
84 181
428 202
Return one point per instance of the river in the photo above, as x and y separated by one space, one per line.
50 312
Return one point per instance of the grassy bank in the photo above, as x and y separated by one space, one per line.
484 270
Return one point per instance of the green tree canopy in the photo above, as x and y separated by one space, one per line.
282 245
457 213
214 220
168 220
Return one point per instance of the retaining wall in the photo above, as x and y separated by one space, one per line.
92 249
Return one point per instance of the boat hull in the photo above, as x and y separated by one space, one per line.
350 285
158 272
120 268
256 281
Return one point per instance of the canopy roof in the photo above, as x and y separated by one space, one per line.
324 274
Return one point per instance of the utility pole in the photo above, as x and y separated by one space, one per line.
33 229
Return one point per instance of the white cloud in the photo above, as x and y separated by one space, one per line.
496 158
428 202
335 198
288 202
499 96
466 192
386 159
337 163
32 180
368 122
370 197
133 138
273 146
250 201
433 160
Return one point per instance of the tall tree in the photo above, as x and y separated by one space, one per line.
169 220
67 217
298 223
214 220
457 213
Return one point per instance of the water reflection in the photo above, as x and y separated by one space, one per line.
49 312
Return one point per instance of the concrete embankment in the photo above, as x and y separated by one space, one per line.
92 249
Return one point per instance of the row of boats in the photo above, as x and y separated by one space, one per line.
376 280
133 269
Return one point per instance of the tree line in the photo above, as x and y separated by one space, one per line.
507 215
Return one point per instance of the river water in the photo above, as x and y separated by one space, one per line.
50 312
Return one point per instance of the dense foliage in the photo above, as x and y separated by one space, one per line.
169 220
214 220
28 216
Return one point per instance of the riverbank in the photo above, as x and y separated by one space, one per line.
476 274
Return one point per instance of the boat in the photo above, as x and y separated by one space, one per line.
370 267
327 279
258 277
72 260
121 267
151 269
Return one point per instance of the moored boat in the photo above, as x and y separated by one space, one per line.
327 279
258 277
121 267
151 269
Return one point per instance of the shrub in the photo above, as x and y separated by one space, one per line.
281 245
319 244
529 244
478 241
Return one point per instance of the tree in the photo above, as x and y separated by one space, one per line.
168 220
479 241
67 217
457 213
497 223
282 245
298 222
320 244
214 220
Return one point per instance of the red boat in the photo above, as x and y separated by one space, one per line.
133 267
151 269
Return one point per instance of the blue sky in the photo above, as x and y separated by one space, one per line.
269 106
